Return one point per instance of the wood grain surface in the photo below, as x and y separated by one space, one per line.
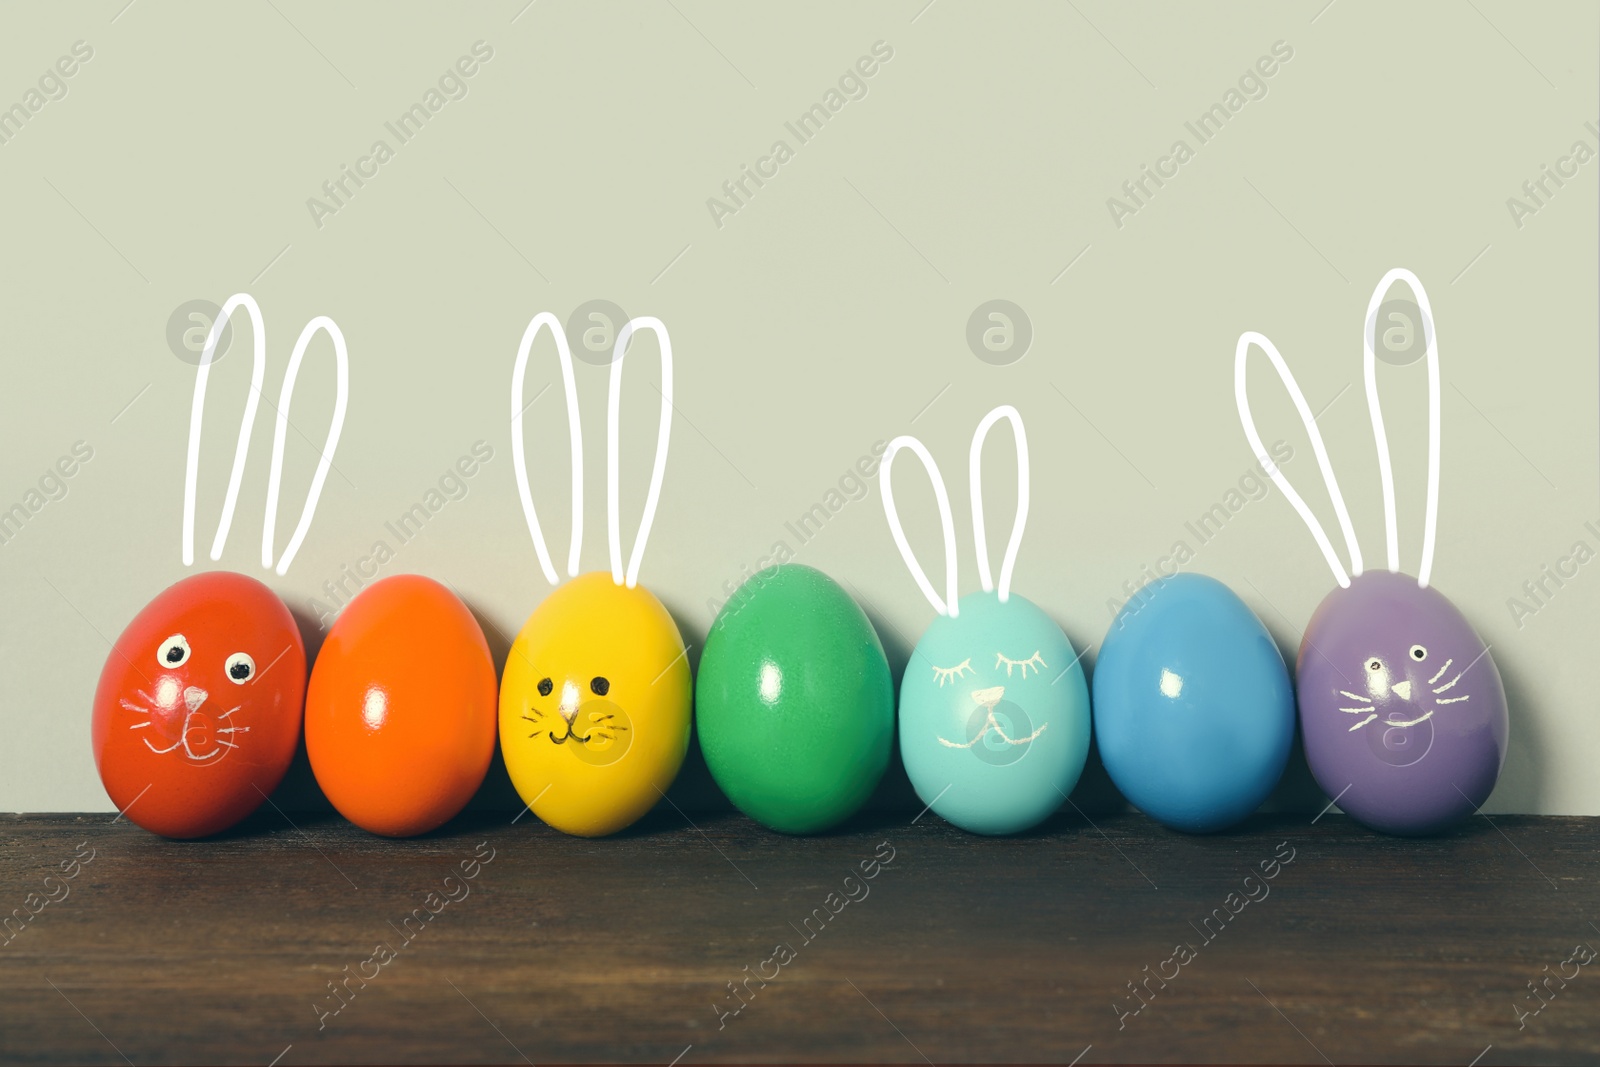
1357 949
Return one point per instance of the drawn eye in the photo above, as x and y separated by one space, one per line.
240 667
1374 665
599 686
1419 653
950 674
174 651
545 685
1034 661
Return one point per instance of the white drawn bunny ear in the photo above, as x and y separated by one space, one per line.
1241 397
1385 471
658 471
341 403
519 460
948 605
258 371
975 475
247 423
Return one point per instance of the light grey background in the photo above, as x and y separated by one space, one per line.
828 313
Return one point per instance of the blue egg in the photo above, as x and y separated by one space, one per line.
1193 709
994 715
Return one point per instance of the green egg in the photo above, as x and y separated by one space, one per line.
794 704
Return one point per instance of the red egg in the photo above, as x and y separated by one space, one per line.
401 715
198 709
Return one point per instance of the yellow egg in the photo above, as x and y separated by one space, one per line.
595 706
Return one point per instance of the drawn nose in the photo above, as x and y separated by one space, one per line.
194 696
1402 690
989 697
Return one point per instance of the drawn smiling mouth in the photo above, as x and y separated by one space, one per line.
189 727
198 725
572 733
987 700
605 741
1409 722
991 724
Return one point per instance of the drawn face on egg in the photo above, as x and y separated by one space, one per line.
1411 682
594 728
1399 698
991 670
999 728
192 708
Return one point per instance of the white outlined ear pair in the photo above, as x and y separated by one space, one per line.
948 606
252 402
614 411
1385 471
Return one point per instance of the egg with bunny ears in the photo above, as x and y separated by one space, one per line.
994 708
199 707
595 699
1401 705
197 714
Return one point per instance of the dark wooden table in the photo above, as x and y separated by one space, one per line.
1359 949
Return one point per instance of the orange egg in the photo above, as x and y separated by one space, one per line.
400 713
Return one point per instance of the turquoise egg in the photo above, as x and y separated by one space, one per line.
994 715
1193 709
794 702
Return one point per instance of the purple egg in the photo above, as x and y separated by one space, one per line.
1401 706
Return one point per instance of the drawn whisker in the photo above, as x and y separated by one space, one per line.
234 730
138 726
1446 667
148 699
1362 723
227 744
163 751
1450 684
1355 696
131 706
1356 711
1453 700
230 711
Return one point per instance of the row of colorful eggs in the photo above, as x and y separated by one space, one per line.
1193 709
1400 705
